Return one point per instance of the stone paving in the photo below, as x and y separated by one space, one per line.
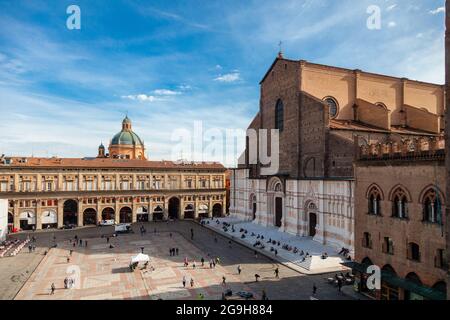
291 285
103 272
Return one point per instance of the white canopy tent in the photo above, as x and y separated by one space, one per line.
140 258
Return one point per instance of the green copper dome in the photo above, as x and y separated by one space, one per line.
126 137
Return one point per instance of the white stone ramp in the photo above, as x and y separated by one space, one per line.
314 264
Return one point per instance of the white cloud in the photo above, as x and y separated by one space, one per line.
140 97
229 77
437 10
392 24
166 92
391 7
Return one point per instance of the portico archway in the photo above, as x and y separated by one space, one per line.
70 212
174 208
189 212
158 213
108 214
89 217
126 215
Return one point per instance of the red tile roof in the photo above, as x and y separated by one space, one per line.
108 163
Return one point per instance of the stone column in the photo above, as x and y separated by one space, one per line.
166 207
210 206
80 212
149 209
16 215
38 213
117 210
60 212
99 213
181 207
133 210
196 207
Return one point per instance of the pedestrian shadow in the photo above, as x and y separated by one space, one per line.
121 270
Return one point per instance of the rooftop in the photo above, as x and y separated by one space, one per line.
19 162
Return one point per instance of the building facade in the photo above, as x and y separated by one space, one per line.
53 192
318 111
400 218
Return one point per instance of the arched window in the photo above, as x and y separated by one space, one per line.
279 115
431 205
278 187
333 105
413 251
400 204
374 204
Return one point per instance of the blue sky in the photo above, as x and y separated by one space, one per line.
170 63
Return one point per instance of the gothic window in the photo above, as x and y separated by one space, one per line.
333 106
367 240
413 251
400 204
431 204
374 201
279 115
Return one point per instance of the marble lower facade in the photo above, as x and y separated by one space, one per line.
44 211
320 209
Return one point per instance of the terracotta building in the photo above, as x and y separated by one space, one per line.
122 186
400 218
318 110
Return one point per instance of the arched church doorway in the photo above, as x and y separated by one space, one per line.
70 212
174 208
312 224
278 211
217 210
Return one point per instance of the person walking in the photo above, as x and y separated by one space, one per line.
314 289
217 260
224 281
142 249
176 251
184 281
256 254
70 252
52 289
257 276
193 264
192 282
277 272
239 269
264 295
107 239
202 261
85 243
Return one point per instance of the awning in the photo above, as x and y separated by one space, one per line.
140 258
395 281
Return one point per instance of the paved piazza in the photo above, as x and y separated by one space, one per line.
104 272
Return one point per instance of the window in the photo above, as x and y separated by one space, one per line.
3 186
279 115
432 210
388 246
439 259
125 185
367 240
141 185
413 251
400 204
333 106
374 201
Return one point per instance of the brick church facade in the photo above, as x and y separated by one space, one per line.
320 111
